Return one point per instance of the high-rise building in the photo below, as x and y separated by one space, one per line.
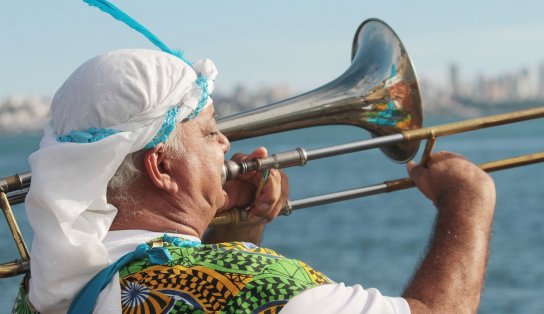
454 79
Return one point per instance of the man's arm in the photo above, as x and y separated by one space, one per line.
451 276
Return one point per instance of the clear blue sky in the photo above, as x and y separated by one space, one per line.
301 43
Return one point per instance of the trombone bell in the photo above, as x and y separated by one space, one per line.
378 92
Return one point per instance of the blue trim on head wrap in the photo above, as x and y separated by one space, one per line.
167 127
88 136
93 134
201 81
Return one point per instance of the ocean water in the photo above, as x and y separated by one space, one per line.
377 241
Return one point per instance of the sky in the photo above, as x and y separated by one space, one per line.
302 44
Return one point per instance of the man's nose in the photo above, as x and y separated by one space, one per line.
224 142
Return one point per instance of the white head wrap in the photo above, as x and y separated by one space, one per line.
129 91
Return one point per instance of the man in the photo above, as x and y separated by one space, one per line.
133 152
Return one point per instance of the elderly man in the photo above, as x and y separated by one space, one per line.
128 178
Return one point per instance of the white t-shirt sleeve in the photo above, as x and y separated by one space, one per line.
337 298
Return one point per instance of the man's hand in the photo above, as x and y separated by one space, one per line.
263 208
449 179
241 191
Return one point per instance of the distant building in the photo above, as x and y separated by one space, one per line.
540 91
454 80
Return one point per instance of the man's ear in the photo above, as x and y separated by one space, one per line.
158 169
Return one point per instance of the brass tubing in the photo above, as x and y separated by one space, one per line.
15 182
513 162
405 183
230 217
14 268
17 197
12 223
473 124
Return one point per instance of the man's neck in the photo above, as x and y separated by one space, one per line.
152 221
159 214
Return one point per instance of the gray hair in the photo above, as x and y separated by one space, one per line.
131 168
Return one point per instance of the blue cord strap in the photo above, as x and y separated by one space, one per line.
88 136
86 298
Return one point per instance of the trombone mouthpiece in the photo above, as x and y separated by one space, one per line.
230 171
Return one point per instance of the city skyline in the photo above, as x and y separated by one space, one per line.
521 83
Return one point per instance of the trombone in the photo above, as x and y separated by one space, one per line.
299 157
379 92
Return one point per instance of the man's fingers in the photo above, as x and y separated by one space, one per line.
414 170
260 152
410 166
250 177
270 200
238 157
274 195
266 201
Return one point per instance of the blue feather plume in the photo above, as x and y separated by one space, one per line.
119 15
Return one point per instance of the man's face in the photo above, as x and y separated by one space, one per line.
198 169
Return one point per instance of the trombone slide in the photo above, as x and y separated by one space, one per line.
385 187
